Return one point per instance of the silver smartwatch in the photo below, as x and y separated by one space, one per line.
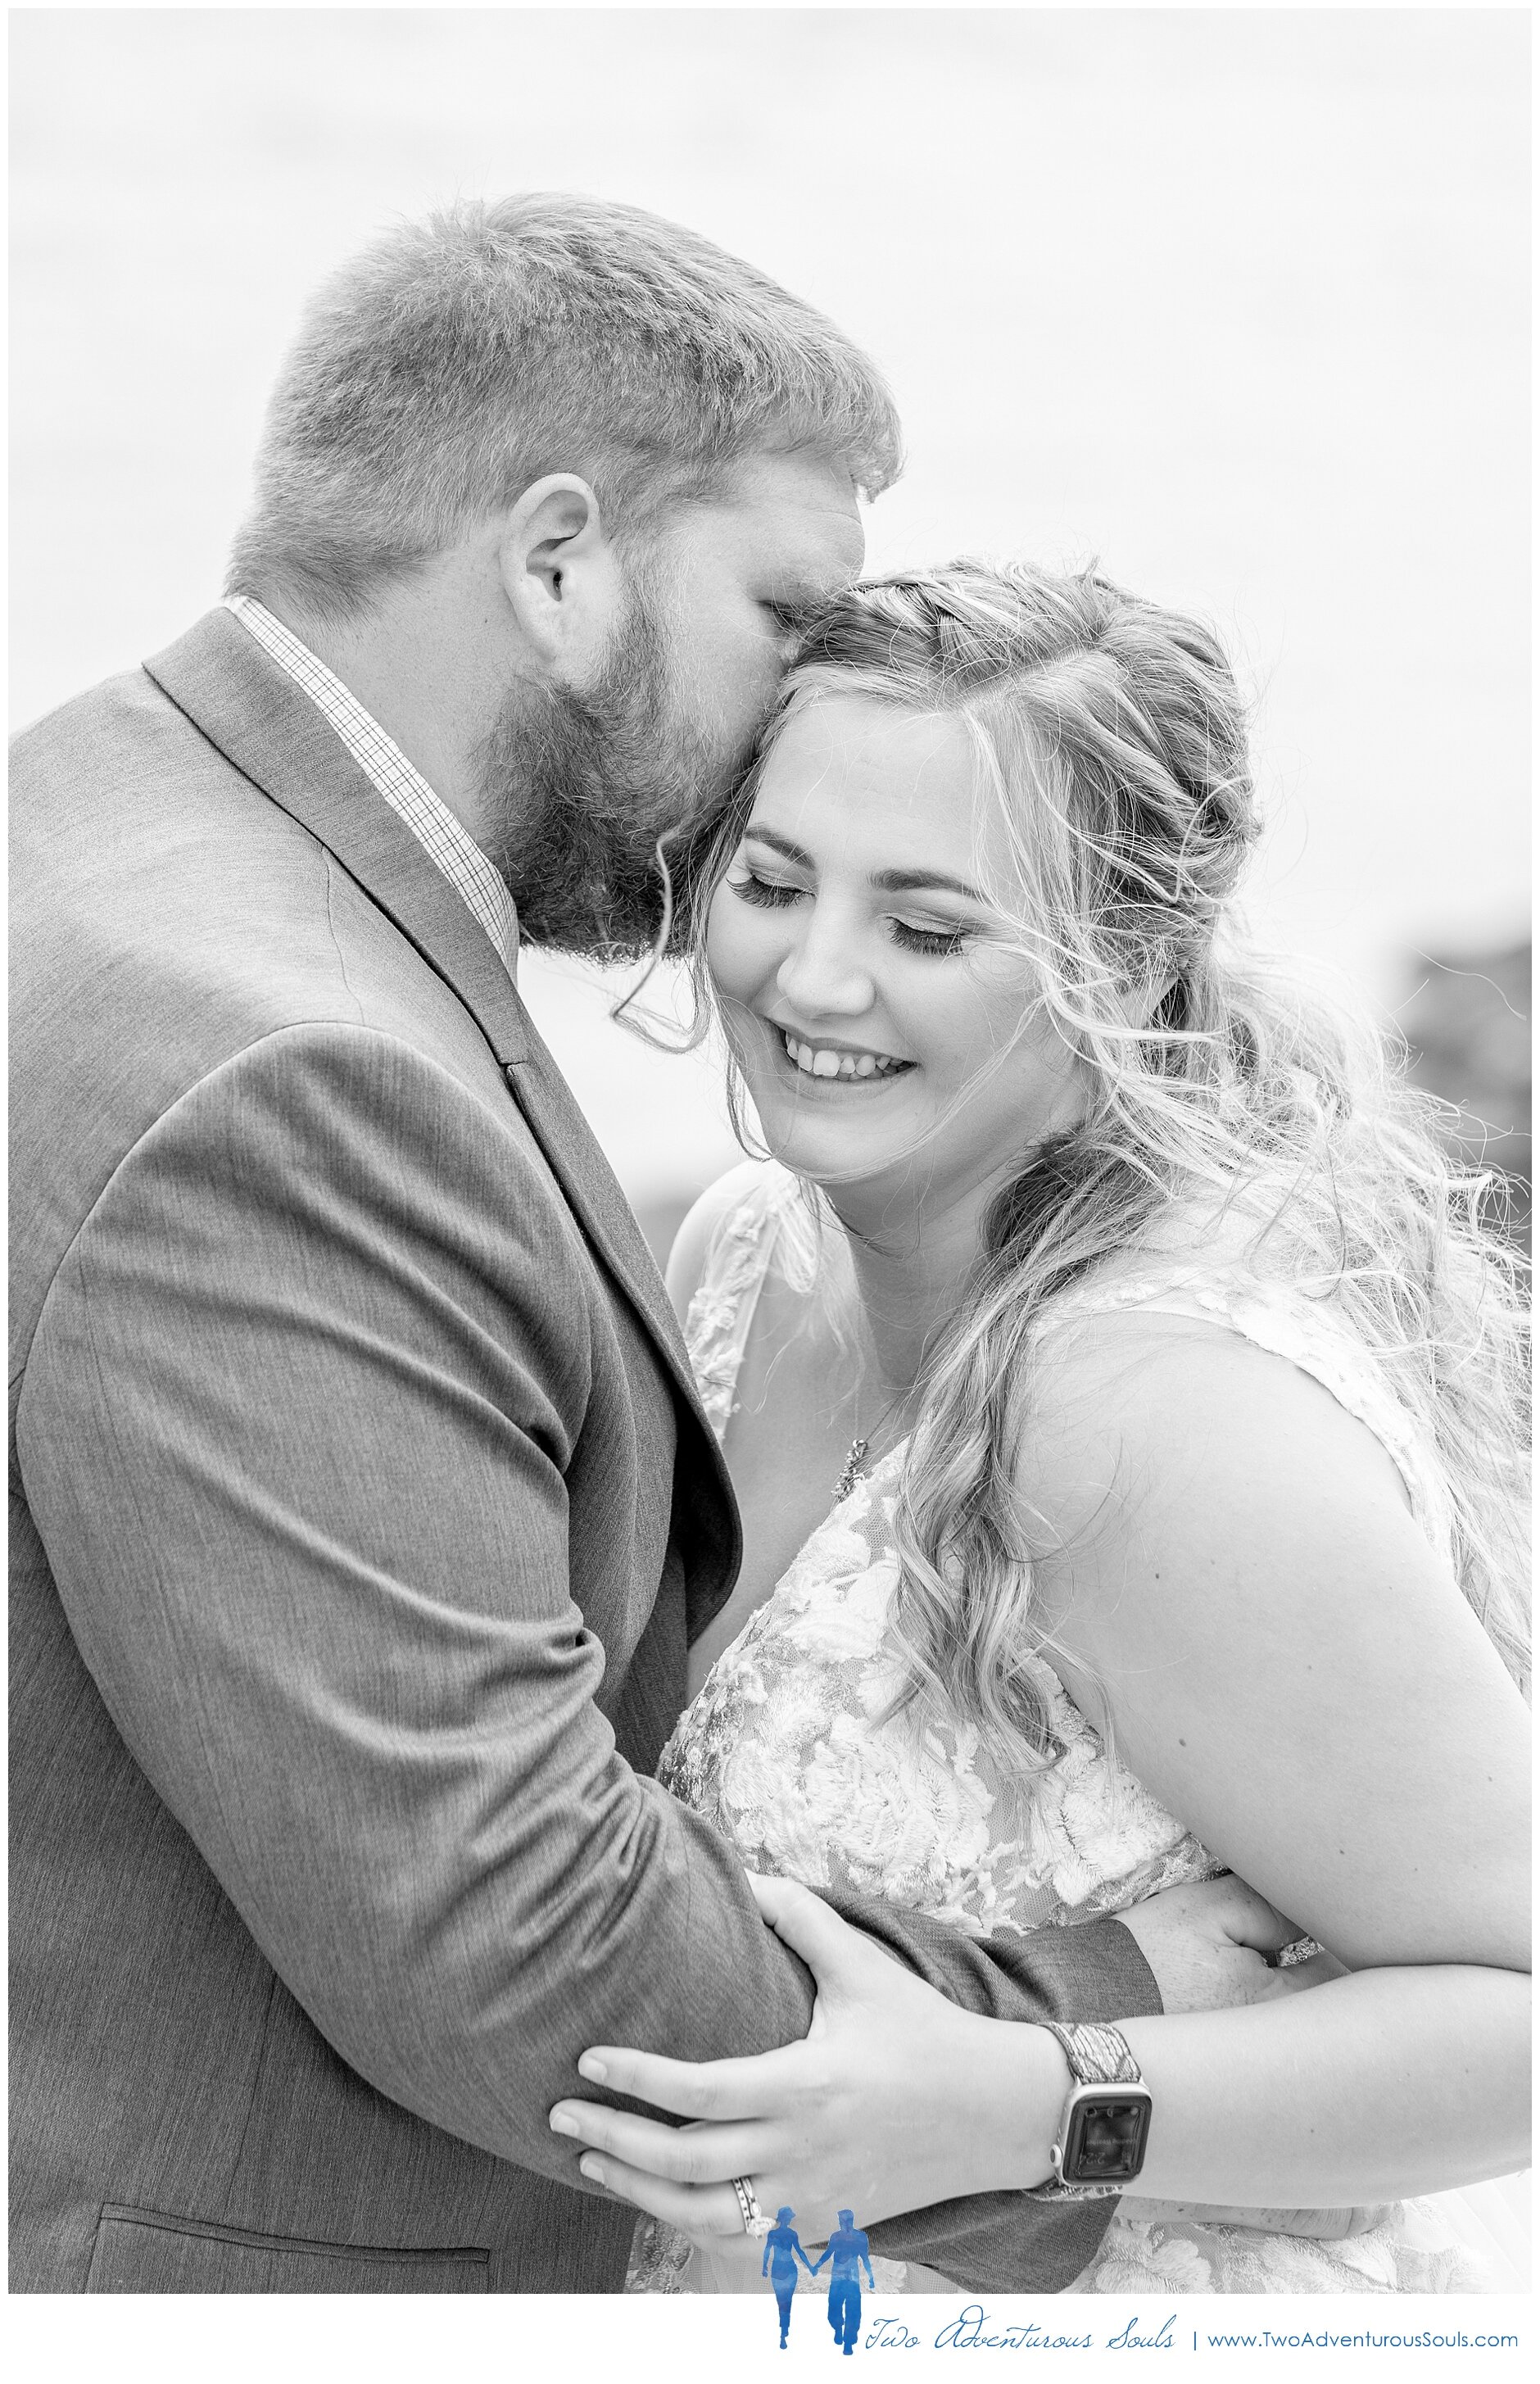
1104 2128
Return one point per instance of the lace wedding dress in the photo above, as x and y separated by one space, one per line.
784 1753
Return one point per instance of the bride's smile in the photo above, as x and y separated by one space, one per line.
877 992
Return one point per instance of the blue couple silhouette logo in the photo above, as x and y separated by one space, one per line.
845 2255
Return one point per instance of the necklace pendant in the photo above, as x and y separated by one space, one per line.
852 1474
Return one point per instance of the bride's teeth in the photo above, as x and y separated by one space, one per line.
844 1065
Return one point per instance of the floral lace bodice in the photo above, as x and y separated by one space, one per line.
787 1753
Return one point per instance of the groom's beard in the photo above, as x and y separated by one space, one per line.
584 782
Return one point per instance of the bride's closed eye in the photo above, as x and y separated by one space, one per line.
768 892
938 941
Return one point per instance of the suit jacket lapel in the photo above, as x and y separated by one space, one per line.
268 728
252 710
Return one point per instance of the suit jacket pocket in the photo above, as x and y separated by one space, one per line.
150 2251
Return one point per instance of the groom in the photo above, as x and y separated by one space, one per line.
362 1503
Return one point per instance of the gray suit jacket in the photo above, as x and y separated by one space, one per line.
361 1509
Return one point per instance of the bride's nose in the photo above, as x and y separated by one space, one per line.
823 972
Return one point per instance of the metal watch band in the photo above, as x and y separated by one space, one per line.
1096 2055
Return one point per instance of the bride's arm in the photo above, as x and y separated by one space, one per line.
1289 1669
1287 1664
1384 2084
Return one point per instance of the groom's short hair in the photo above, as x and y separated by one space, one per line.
459 359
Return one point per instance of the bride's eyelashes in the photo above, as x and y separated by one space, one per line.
767 893
773 894
939 942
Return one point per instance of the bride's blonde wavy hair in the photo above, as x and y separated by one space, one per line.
1112 736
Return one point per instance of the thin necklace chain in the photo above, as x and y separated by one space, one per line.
860 1449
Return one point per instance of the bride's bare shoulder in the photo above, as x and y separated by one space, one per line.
755 1181
1157 1427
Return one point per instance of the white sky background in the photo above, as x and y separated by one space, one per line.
1236 300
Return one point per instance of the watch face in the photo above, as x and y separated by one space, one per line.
1108 2127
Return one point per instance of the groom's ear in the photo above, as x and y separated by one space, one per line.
560 576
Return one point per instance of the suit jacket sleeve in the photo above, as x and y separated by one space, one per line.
294 1430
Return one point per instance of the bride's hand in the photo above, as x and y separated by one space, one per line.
892 2101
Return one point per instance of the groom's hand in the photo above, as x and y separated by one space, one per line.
1208 1946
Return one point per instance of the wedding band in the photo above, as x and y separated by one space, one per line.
754 2219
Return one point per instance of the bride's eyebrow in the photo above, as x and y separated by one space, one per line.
777 843
915 881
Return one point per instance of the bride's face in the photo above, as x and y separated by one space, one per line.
880 1007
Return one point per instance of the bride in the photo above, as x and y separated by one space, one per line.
1122 1397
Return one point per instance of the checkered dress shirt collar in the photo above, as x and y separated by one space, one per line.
391 774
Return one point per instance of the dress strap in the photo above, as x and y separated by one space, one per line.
739 1257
